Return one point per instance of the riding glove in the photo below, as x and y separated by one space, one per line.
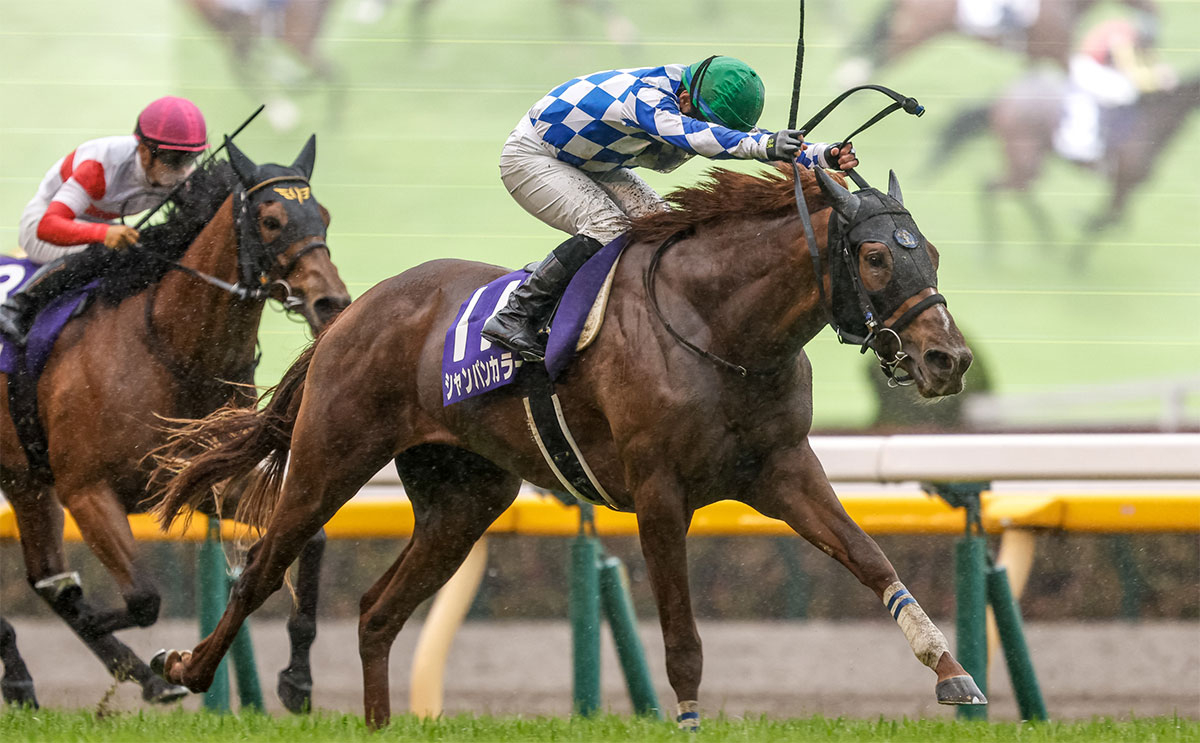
785 144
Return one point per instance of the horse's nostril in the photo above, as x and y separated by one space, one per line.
939 362
326 308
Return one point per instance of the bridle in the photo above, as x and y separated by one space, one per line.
878 334
257 263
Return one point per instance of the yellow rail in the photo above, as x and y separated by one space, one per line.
878 513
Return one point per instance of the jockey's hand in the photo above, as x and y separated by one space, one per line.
785 144
844 152
120 236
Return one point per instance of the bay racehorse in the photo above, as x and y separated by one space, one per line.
165 343
903 26
665 429
1024 118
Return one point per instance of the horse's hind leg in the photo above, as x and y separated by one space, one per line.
815 513
331 459
456 495
295 681
17 685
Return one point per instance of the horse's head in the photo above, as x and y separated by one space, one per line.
884 275
281 237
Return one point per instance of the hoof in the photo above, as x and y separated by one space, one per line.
158 663
157 691
295 690
959 690
19 692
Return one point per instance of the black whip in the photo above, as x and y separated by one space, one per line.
799 72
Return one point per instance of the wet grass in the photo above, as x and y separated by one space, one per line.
61 726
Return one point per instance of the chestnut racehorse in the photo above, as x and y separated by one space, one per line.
182 347
665 430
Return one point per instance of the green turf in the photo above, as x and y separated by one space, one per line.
410 172
61 727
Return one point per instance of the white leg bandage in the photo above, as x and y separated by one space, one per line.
927 641
689 715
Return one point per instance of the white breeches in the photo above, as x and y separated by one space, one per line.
598 205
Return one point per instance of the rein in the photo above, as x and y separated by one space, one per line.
290 302
873 340
652 296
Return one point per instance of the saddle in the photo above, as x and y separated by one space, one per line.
50 321
24 364
472 365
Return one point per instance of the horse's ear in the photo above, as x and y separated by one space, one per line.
307 157
894 187
244 167
843 202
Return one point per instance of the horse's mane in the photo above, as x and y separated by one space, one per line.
727 194
186 215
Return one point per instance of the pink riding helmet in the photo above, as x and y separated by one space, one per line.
172 123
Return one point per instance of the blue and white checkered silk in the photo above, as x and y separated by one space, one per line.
631 118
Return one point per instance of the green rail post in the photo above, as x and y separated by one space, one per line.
584 610
970 555
618 608
213 589
1016 651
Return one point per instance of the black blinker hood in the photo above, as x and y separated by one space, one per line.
883 219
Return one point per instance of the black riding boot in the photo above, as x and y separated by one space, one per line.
518 325
51 280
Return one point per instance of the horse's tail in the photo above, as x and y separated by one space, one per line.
244 447
967 123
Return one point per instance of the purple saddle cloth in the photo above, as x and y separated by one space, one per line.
472 365
14 272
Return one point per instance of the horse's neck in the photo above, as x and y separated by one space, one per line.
752 285
199 323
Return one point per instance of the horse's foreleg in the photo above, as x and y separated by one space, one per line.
105 528
40 520
295 681
663 518
796 491
17 685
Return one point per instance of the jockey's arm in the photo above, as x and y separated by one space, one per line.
663 121
59 225
1140 67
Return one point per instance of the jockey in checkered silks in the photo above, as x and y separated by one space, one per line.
569 163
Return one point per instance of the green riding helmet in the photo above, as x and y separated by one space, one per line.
725 91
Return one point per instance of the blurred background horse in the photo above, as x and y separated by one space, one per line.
1024 119
295 26
1038 29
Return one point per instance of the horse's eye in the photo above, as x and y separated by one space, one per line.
875 260
272 223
